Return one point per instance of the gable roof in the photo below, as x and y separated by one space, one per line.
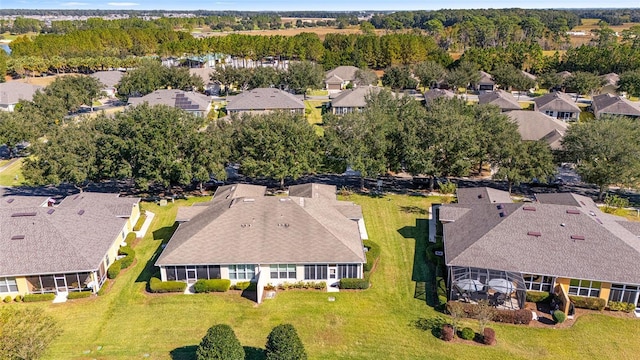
529 75
483 238
342 73
610 79
72 236
266 230
534 125
354 98
264 99
615 105
485 78
313 191
185 100
108 78
11 92
556 101
433 94
504 100
482 195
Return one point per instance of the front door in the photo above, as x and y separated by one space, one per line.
61 283
192 275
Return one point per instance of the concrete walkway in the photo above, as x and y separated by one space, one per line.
147 222
61 297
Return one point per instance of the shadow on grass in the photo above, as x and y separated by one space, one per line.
433 325
184 353
162 234
424 273
254 353
414 210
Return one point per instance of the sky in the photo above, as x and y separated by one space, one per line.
322 5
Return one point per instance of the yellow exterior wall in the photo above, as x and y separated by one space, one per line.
21 282
605 291
562 289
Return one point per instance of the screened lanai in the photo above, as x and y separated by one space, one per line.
504 289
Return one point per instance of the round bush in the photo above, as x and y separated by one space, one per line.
447 332
489 336
467 333
283 343
559 317
18 298
8 299
220 342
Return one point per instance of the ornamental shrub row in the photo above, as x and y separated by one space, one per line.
520 316
467 334
38 297
79 295
621 306
213 285
373 253
348 283
592 303
320 285
129 255
241 285
131 237
158 286
139 223
538 296
114 269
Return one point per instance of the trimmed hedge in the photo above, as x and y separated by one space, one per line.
538 296
131 237
489 336
213 285
319 285
559 316
79 295
591 303
158 286
140 222
359 284
38 297
103 288
373 253
241 285
114 269
18 298
129 255
7 299
467 333
520 316
621 306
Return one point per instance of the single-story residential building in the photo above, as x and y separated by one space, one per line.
211 87
534 125
264 100
558 105
352 100
57 248
11 92
433 94
485 83
109 80
340 77
192 102
609 83
243 235
504 100
562 243
614 105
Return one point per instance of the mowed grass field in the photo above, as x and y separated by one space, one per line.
128 323
8 175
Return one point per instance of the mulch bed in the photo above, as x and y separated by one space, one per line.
545 320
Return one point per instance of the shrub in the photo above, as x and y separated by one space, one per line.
114 269
158 286
591 303
139 223
213 285
129 253
447 332
521 316
348 283
467 333
559 316
79 295
283 343
373 253
489 336
103 288
220 342
447 188
621 306
538 296
18 298
38 297
131 237
7 299
241 285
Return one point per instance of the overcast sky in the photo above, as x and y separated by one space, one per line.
326 5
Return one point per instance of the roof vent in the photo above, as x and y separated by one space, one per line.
592 213
50 211
245 225
21 214
9 201
599 221
284 199
573 211
248 200
500 207
577 237
80 212
503 214
17 237
534 233
479 196
529 208
283 225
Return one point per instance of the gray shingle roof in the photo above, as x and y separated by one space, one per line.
436 94
485 78
529 75
615 105
12 92
203 73
313 191
484 239
264 99
610 79
62 238
482 195
556 101
108 78
266 230
345 73
354 98
185 100
504 100
534 125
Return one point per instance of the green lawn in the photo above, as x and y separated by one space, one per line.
8 175
374 324
313 110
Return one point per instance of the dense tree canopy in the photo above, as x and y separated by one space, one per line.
25 333
151 75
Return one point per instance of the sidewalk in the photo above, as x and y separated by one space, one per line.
143 230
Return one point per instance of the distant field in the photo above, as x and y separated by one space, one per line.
42 81
321 31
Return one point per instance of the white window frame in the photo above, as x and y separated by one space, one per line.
278 270
8 283
585 285
242 272
534 285
624 288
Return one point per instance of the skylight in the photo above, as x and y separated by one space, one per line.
529 208
17 237
573 211
534 233
577 237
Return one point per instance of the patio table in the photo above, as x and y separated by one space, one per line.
502 286
470 285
